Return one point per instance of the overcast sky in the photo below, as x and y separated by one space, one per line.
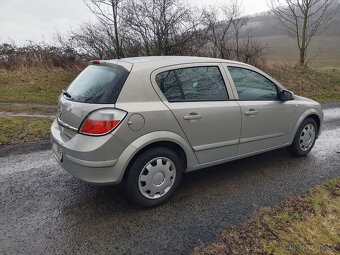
38 20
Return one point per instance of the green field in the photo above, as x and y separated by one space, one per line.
37 86
41 86
19 130
324 51
320 84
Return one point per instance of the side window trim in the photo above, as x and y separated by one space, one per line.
235 89
179 83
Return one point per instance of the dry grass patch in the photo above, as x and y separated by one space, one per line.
322 84
307 224
43 86
34 85
19 130
28 109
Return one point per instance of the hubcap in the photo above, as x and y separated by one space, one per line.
307 137
157 178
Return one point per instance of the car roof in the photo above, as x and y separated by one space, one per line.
155 62
151 63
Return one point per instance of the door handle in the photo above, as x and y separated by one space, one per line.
251 112
192 116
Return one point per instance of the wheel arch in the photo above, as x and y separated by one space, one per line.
154 139
310 113
317 120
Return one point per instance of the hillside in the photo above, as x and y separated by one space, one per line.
263 25
324 50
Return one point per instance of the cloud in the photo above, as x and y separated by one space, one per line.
38 20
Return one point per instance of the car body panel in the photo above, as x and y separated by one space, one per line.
304 108
153 128
73 113
265 123
209 141
270 125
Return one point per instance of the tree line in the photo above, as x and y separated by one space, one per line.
127 28
130 28
173 27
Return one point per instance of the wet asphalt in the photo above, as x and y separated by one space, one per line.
44 210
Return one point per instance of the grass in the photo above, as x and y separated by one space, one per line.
39 86
323 51
42 86
18 130
320 84
28 109
33 86
306 224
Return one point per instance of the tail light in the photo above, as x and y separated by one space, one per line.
102 121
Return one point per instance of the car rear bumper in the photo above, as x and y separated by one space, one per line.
91 159
95 175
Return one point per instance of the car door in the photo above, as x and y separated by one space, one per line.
198 96
266 121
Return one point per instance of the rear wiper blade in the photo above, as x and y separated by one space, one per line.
65 93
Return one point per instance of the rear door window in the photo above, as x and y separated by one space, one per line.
168 83
203 83
98 84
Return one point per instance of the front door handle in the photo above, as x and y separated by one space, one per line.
192 116
251 112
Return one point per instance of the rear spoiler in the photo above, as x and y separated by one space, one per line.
116 63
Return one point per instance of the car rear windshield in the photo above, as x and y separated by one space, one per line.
98 85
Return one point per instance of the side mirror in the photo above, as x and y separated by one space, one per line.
286 95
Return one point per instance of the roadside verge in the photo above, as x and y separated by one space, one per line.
25 148
304 224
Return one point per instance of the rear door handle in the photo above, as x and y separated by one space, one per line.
251 112
192 116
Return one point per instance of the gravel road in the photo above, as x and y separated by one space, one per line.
44 210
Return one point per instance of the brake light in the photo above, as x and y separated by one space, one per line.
102 121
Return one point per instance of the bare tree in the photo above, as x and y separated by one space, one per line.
304 19
94 41
250 50
225 24
238 24
162 27
108 12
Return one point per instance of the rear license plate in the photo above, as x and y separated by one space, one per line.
58 152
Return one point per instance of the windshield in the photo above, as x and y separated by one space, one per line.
97 84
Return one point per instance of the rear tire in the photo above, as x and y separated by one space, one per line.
304 139
153 177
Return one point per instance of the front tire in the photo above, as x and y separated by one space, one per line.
153 177
304 139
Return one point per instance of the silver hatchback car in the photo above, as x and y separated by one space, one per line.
148 120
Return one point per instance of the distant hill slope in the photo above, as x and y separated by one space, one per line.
267 25
324 50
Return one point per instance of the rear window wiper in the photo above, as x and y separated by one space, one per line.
65 93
